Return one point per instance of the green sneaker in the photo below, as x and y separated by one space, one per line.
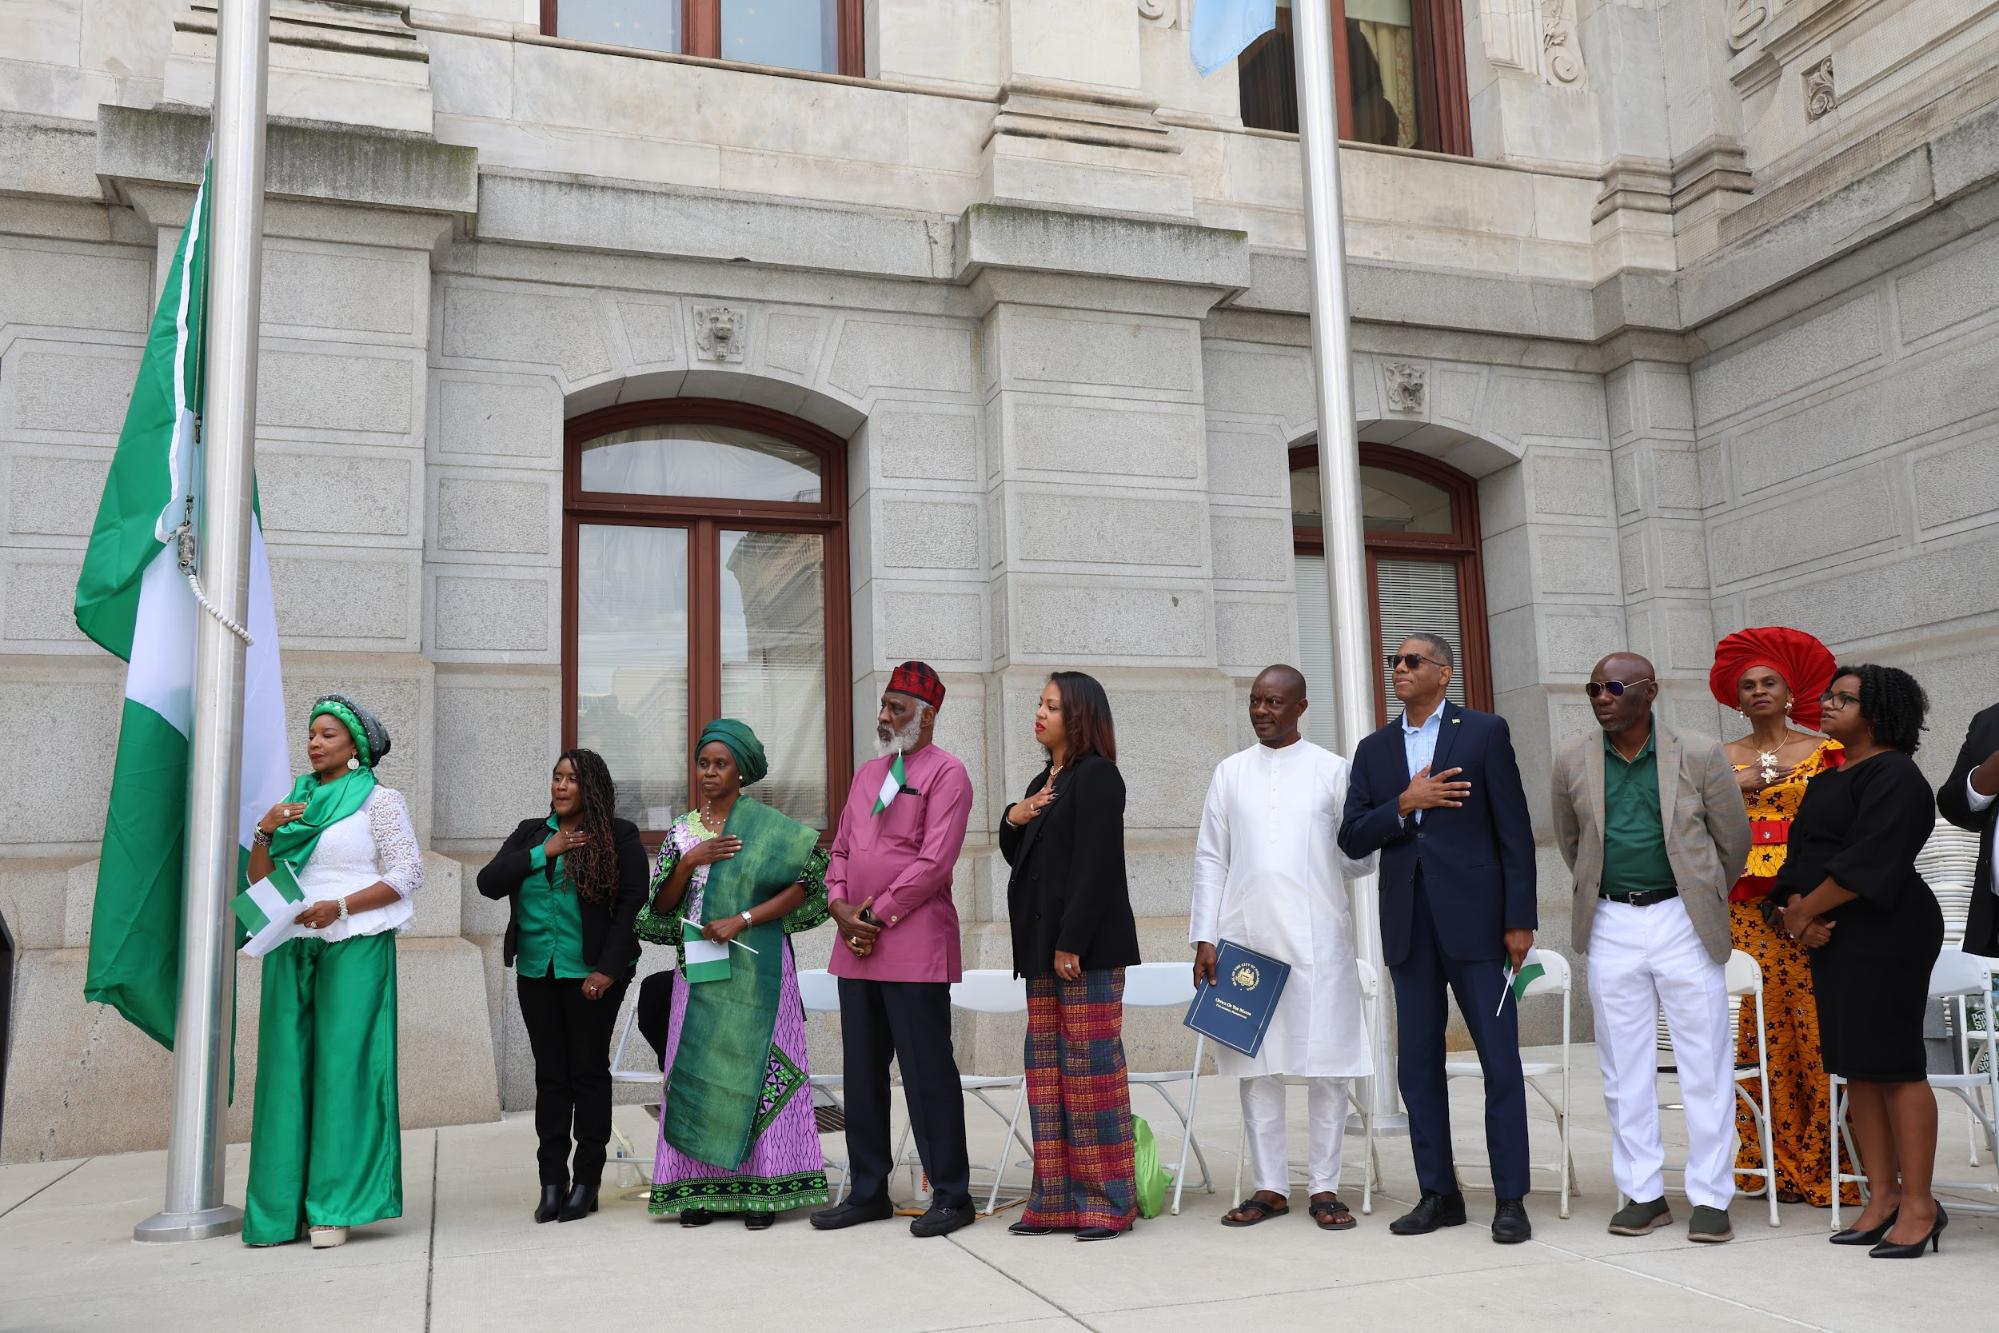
1635 1218
1710 1225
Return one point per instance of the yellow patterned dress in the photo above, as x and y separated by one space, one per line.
1798 1097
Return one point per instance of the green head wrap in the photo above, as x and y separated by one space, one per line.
371 738
742 743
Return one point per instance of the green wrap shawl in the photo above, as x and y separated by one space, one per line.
719 1067
326 804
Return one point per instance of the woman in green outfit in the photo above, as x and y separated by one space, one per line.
736 1129
325 1142
574 881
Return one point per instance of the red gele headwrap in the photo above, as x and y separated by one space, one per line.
918 681
1805 664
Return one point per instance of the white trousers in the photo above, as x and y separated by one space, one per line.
1643 959
1326 1132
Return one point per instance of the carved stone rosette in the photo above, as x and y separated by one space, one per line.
1820 95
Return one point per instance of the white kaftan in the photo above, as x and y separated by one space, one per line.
1269 875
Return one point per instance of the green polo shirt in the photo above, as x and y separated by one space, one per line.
551 926
1634 842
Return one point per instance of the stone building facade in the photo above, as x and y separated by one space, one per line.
1680 315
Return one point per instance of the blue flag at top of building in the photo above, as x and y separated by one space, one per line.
1223 28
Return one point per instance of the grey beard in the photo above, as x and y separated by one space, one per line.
899 742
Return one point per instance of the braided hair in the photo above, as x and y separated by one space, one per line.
1893 703
593 867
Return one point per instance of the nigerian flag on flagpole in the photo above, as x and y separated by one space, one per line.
134 600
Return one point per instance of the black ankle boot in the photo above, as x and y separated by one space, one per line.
551 1202
582 1201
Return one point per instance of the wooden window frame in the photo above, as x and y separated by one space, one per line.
1460 547
701 31
704 519
1443 99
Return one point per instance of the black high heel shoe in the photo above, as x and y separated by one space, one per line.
1914 1250
551 1202
1871 1236
582 1202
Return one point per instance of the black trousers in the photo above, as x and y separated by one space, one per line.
571 1040
909 1021
655 1012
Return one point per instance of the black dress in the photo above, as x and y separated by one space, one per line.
1863 825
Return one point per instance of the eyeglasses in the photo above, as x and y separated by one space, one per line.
1614 688
1839 699
1412 661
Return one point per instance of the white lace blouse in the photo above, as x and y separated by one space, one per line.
376 842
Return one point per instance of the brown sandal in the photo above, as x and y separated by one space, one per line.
1332 1215
1259 1212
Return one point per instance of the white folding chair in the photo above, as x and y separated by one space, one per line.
1555 979
819 991
624 1153
1744 978
1359 1098
991 991
1959 979
1171 986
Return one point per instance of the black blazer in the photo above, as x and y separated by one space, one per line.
1477 860
1068 888
1981 927
607 932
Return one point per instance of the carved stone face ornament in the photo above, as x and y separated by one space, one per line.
719 333
1404 385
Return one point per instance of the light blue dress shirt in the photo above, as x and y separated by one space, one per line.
1419 744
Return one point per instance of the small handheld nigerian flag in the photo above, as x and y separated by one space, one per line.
1223 30
269 910
892 785
1517 981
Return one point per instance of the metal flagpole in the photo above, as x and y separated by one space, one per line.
1339 459
205 1026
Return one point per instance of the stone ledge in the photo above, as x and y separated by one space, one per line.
1100 245
43 156
304 160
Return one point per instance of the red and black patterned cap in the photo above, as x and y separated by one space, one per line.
919 682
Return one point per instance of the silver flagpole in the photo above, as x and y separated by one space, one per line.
1339 459
205 1026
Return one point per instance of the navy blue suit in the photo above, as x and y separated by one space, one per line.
1451 886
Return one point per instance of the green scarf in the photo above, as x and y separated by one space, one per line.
724 1053
326 804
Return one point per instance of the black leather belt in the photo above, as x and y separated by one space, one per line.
1646 899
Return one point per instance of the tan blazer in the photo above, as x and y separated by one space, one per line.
1700 808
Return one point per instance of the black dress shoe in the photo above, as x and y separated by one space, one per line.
1030 1229
943 1221
1098 1233
850 1214
1431 1211
582 1202
1509 1223
1871 1236
551 1202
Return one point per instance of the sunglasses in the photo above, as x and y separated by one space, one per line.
1411 660
1614 688
1838 699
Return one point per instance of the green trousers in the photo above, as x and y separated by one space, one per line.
326 1145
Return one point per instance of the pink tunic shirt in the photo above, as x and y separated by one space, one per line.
902 858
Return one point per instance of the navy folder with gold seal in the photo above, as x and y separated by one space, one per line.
1236 1009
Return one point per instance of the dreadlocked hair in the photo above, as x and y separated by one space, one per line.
592 869
1893 703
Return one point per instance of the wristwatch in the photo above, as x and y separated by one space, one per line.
748 920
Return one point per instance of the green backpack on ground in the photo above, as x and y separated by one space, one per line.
1154 1180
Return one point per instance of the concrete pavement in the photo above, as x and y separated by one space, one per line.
465 1255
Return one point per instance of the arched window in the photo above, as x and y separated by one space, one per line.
704 574
1423 571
